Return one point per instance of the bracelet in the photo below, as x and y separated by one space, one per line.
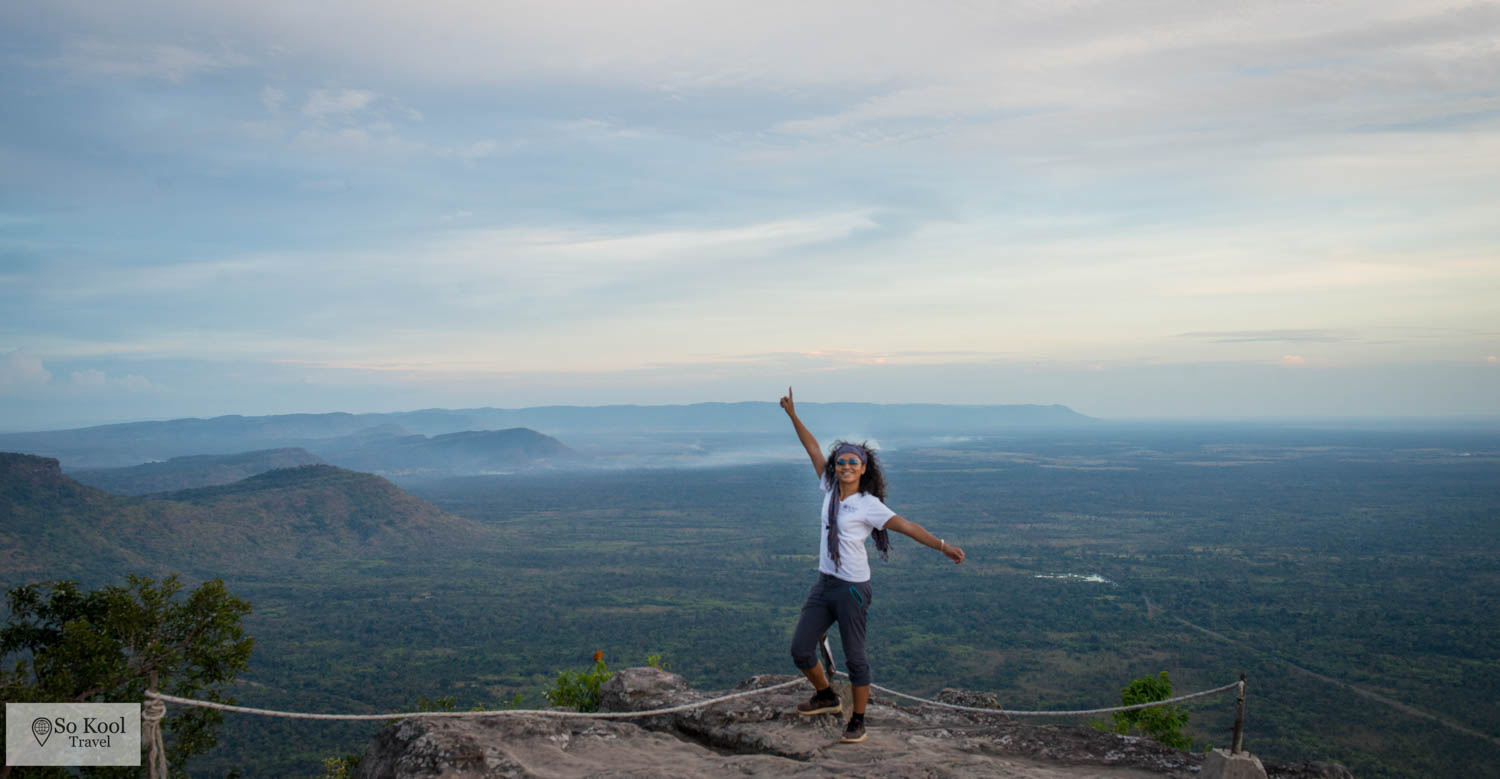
945 545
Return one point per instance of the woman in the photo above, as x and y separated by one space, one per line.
853 509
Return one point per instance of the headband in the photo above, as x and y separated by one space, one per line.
854 449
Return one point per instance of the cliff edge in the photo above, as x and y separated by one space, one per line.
761 735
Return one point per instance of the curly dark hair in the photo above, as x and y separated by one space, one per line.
873 480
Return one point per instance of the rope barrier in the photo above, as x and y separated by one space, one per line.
493 713
1073 713
155 709
157 699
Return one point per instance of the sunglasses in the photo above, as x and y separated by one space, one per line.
851 462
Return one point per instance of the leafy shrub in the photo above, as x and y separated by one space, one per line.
1163 723
579 690
340 767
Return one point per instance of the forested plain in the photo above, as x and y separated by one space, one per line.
1320 563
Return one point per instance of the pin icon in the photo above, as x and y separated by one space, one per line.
41 728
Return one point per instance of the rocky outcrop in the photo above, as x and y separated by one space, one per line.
30 470
762 735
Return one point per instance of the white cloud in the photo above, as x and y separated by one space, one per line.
168 62
365 122
600 129
1441 163
579 256
154 280
1038 81
476 150
1252 336
1331 273
18 369
778 43
933 104
380 138
323 103
93 379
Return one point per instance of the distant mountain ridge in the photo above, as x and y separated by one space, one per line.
189 471
336 437
469 451
51 524
744 417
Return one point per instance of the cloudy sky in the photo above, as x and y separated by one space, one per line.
1145 209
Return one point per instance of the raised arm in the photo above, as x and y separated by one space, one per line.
920 535
808 442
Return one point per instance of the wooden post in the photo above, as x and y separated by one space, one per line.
1239 720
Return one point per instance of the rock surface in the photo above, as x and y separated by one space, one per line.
762 735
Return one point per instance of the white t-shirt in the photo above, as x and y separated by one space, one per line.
859 515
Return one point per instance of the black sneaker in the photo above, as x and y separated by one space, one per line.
820 703
854 732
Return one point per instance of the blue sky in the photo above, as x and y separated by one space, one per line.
1153 209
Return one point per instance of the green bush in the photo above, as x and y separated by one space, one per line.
340 767
1163 723
579 690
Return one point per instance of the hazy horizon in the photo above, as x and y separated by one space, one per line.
1435 421
1137 212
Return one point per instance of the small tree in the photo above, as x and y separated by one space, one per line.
1163 723
64 644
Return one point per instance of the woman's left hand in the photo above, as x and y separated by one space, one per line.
954 553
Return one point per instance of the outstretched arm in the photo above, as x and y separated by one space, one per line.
920 535
808 442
